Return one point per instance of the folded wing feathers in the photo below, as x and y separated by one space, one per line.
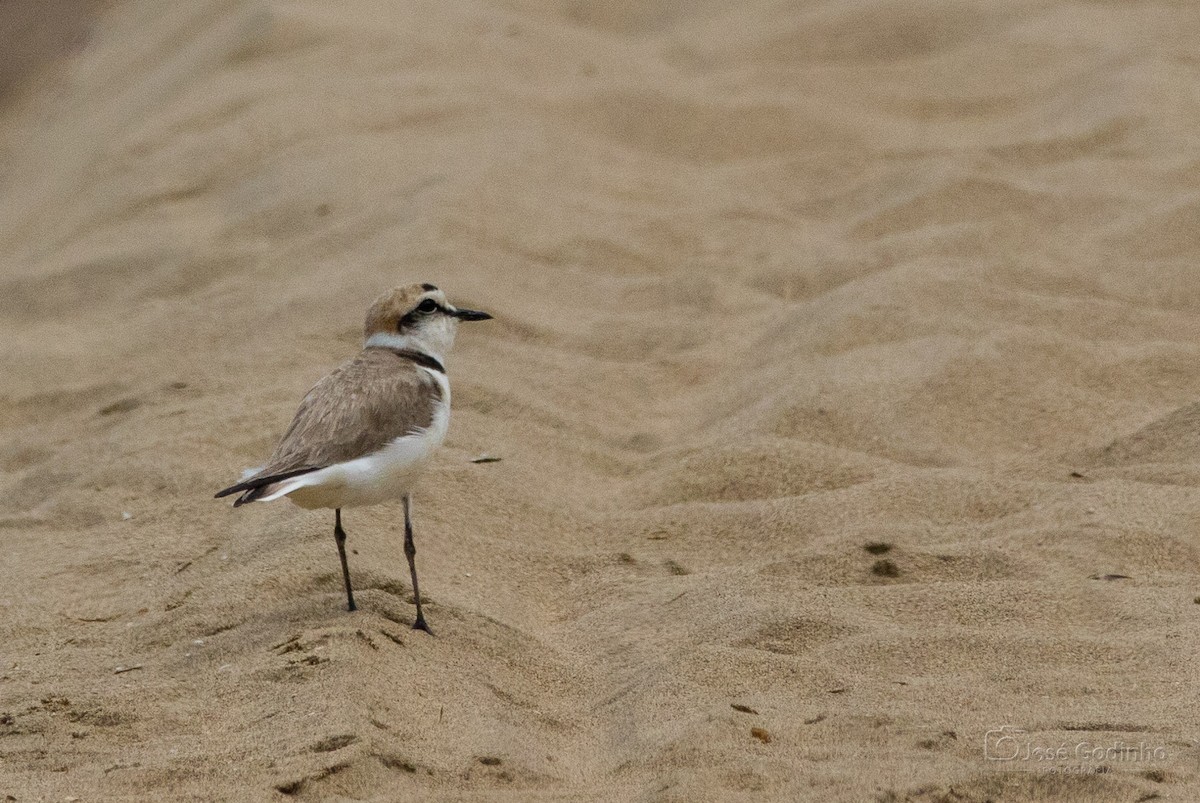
355 411
256 486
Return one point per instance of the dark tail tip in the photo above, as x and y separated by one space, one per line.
249 496
254 486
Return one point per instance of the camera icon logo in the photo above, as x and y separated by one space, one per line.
1002 744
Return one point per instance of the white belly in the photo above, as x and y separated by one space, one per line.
387 474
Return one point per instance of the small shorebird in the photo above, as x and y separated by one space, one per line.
363 433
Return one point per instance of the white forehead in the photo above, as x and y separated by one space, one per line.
436 294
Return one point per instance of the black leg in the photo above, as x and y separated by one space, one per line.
410 551
339 535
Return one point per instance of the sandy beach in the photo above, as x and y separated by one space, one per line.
844 376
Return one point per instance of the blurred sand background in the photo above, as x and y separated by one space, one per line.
774 282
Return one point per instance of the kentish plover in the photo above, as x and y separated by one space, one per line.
363 433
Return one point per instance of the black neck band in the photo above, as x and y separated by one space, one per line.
420 358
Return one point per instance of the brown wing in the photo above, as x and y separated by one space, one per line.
356 410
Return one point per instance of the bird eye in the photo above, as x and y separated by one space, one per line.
428 305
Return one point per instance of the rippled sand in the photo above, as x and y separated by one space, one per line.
845 380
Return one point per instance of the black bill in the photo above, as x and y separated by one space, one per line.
470 315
